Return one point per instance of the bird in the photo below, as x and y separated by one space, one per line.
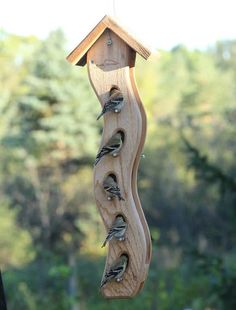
111 188
116 271
113 147
117 230
115 102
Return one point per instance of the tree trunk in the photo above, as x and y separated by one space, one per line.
73 282
3 305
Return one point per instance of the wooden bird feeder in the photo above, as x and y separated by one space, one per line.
109 52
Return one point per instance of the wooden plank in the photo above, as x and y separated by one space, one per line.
80 51
137 160
107 66
78 55
132 42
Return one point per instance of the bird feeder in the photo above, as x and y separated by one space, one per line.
109 52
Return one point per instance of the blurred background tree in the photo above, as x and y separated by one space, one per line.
50 230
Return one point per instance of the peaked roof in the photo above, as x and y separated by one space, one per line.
78 55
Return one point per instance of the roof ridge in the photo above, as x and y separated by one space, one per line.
78 55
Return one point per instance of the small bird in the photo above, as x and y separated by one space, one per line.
115 102
112 147
116 271
117 230
111 188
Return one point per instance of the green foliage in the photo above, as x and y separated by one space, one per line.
50 230
15 243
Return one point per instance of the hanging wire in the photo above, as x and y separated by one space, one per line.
114 7
109 40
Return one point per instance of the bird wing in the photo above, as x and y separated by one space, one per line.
115 190
114 272
110 105
117 228
112 189
111 274
112 147
113 231
105 150
113 144
116 95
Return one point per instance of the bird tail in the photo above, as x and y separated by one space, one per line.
108 238
100 115
97 160
104 281
121 198
104 243
103 152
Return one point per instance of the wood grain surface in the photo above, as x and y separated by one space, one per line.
79 54
114 65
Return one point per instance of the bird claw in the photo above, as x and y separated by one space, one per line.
119 279
116 111
114 155
109 198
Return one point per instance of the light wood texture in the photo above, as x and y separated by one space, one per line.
137 160
113 65
79 54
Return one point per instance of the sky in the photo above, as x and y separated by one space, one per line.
158 24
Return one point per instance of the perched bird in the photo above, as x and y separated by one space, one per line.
117 230
115 102
112 147
111 188
116 271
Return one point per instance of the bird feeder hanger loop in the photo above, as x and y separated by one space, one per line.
109 52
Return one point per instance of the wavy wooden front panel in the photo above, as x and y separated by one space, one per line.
110 65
